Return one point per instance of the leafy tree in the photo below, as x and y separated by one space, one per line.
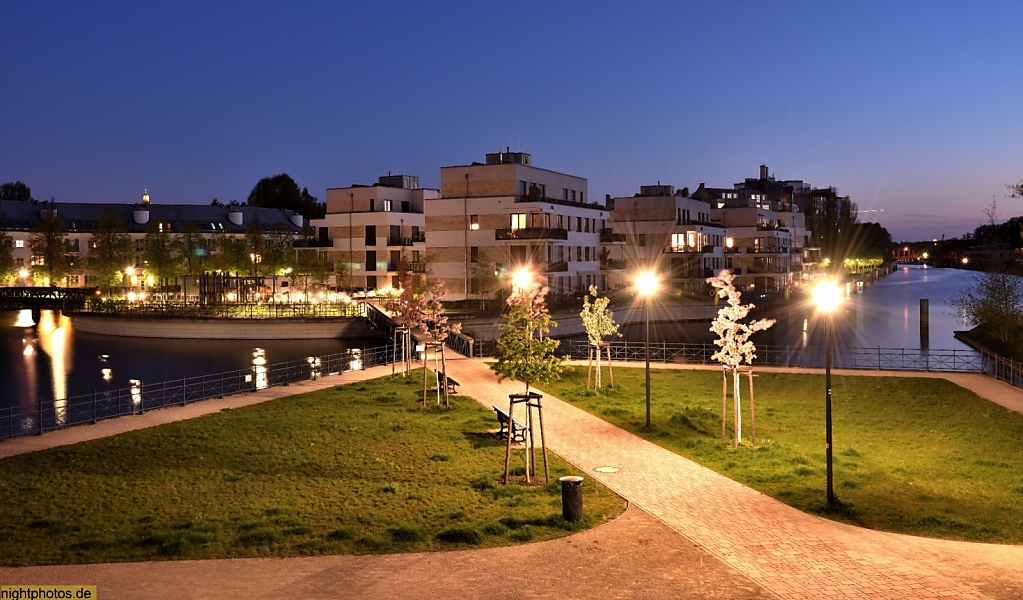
599 323
993 301
191 249
161 259
112 250
231 253
7 264
484 280
15 190
47 241
309 267
830 218
278 248
867 241
281 191
521 351
255 241
735 346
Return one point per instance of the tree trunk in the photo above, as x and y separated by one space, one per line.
610 371
724 403
596 385
425 371
738 406
752 410
444 376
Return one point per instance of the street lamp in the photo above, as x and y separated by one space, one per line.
522 278
828 296
646 286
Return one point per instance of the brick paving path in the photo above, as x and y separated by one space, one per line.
793 554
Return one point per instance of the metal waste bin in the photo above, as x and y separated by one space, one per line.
572 498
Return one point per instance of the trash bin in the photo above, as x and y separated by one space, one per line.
572 498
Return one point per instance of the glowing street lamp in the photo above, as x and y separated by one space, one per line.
828 296
522 278
646 286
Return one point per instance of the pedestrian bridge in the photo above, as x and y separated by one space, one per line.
38 299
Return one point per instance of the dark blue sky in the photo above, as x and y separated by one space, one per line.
912 107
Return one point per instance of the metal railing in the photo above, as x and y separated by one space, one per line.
891 359
144 396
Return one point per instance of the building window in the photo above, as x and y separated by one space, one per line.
587 253
371 261
38 261
561 222
387 206
518 221
474 254
371 282
371 235
578 223
474 222
587 225
19 243
579 253
372 205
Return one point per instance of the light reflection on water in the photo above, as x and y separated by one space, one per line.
51 361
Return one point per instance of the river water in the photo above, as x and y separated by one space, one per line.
885 314
51 360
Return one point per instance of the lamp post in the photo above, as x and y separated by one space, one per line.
828 296
646 285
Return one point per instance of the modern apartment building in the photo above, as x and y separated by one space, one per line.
373 229
494 217
670 233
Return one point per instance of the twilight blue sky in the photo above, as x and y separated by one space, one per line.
913 107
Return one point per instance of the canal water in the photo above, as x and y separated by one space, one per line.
51 360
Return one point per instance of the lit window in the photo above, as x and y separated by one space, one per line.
518 221
19 243
474 222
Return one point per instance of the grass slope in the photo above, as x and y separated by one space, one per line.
361 468
918 456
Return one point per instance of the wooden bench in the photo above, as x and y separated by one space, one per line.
451 381
518 429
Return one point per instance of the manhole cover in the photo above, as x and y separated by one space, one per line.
606 469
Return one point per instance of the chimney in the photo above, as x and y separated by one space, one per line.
763 171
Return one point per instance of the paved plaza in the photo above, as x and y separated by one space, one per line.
689 533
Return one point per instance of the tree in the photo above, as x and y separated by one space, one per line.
278 248
281 191
7 265
16 191
993 301
160 258
830 218
599 323
869 241
111 251
484 279
735 346
255 241
521 351
192 253
47 241
309 267
231 254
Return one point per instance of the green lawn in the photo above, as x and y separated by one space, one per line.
353 469
918 456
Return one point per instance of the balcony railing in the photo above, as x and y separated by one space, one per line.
612 264
408 240
531 233
689 250
768 250
557 266
608 236
412 267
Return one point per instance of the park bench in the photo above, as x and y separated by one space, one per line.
451 381
518 429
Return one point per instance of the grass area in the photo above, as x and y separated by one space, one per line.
354 469
912 455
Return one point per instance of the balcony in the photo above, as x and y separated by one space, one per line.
557 266
531 233
412 267
768 250
611 264
689 250
418 237
608 236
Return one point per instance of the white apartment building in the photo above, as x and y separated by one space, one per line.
371 229
669 233
760 246
492 218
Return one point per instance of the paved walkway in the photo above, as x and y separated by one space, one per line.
779 549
